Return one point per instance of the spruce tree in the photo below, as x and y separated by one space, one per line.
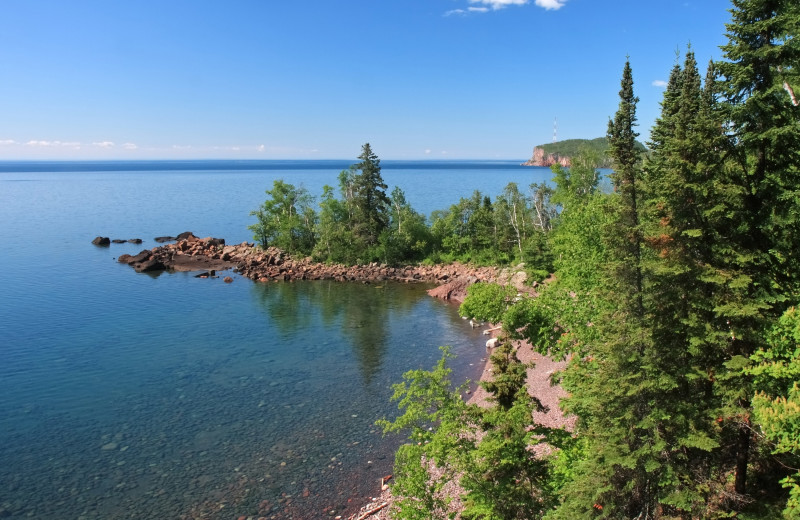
369 199
626 178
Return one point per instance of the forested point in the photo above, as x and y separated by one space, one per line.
673 300
364 224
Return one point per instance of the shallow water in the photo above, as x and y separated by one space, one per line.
127 395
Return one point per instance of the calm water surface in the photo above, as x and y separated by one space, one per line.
127 395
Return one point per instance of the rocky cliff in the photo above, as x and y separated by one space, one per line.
540 158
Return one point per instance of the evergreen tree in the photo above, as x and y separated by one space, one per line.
626 179
761 59
369 199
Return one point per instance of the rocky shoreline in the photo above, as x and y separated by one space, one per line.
209 255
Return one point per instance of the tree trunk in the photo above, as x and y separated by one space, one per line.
742 458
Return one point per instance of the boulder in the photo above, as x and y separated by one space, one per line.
101 241
135 240
118 241
227 279
161 240
141 257
151 264
185 235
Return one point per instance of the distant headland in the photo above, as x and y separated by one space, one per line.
561 152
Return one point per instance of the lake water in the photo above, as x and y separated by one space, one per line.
126 395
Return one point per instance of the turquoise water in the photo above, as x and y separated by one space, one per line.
127 395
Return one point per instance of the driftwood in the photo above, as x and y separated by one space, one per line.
372 511
489 331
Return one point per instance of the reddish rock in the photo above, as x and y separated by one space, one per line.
539 158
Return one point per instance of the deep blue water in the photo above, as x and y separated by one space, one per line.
127 395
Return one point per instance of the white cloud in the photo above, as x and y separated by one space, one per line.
104 144
73 144
261 148
660 83
478 9
6 142
428 151
551 4
455 11
130 146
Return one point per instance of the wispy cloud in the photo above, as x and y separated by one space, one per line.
130 146
499 4
660 83
484 6
104 144
6 142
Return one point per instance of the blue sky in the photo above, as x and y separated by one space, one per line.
315 79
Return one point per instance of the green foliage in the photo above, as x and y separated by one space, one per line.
427 400
466 231
487 301
501 476
776 405
408 236
286 219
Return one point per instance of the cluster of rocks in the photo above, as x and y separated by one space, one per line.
105 241
189 253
